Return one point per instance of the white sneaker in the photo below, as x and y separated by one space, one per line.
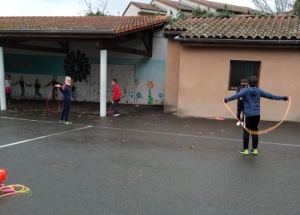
238 124
117 114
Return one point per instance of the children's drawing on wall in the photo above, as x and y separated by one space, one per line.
148 92
77 66
150 77
138 95
22 85
95 88
33 88
73 90
127 95
8 88
83 90
162 97
125 76
54 89
150 98
37 86
95 82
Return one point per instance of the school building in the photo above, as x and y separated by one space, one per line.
207 57
90 49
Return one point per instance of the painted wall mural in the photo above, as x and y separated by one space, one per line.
150 98
81 91
34 64
22 64
77 66
142 81
29 89
149 93
125 77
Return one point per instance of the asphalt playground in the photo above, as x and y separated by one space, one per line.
144 162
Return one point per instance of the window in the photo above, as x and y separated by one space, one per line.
242 69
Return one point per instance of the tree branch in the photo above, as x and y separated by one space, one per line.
274 6
99 10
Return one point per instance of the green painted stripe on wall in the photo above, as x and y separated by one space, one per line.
145 69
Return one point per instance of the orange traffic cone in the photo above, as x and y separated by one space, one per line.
3 173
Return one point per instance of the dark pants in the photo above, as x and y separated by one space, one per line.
240 109
116 105
251 122
8 96
22 92
37 93
65 110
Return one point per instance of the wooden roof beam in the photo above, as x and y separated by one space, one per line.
32 47
126 50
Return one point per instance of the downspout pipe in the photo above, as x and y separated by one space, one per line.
238 41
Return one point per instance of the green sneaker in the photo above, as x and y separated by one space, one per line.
245 152
254 151
67 123
61 121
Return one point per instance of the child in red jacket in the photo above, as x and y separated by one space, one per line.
116 96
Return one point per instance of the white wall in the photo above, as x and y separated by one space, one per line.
170 10
132 11
196 5
125 77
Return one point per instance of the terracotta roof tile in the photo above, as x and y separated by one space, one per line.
221 6
239 27
147 6
115 24
176 5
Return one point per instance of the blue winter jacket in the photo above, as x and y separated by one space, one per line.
66 91
251 97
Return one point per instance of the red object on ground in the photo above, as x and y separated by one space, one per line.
3 173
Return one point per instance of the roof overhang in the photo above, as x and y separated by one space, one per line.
150 13
173 33
17 39
286 43
77 35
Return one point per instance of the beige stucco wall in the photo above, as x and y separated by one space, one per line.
204 78
172 75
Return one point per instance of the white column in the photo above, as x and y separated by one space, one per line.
103 81
2 87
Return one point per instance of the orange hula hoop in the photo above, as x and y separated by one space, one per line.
58 103
262 131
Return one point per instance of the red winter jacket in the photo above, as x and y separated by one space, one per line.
116 93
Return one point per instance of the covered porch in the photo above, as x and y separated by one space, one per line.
106 33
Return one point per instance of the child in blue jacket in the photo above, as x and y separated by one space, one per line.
251 97
66 91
